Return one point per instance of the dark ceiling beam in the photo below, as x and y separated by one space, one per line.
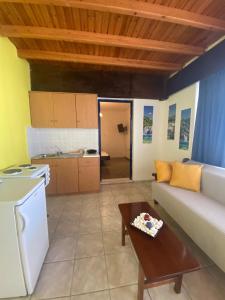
211 62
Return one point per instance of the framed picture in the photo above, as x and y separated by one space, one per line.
147 124
185 129
171 122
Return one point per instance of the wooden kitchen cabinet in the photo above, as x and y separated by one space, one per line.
87 110
67 175
63 175
57 110
89 174
64 107
41 109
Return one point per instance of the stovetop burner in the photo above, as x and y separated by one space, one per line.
25 166
12 171
32 168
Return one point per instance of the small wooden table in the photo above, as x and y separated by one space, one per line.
162 259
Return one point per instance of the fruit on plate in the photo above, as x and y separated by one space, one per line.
147 217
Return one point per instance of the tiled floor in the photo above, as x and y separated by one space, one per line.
86 261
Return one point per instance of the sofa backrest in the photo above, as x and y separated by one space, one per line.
213 182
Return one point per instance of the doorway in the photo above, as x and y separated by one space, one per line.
115 139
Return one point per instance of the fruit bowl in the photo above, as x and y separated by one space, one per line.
147 224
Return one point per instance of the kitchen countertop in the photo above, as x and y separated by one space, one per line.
65 156
16 190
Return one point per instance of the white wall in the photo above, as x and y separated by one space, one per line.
113 141
161 148
187 98
145 154
48 140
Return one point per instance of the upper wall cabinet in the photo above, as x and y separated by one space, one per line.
63 110
41 109
87 111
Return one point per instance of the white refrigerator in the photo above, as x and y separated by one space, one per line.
23 235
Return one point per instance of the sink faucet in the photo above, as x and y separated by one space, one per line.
59 152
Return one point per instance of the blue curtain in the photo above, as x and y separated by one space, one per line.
209 136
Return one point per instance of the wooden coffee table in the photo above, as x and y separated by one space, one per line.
162 259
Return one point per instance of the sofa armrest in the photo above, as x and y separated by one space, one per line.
154 175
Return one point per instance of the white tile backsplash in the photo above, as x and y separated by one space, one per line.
49 140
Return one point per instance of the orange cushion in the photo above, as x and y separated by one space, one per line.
163 170
186 176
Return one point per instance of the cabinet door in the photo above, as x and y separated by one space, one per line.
64 110
87 110
67 176
41 109
89 175
51 189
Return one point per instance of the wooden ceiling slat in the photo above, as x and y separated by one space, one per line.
93 59
96 39
139 9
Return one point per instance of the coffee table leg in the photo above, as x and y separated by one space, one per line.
178 283
141 278
123 233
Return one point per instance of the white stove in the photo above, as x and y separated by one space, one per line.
27 171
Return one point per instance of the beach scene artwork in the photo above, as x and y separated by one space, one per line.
171 122
147 124
185 129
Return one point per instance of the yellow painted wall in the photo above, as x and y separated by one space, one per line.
14 105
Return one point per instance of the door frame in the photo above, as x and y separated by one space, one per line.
113 100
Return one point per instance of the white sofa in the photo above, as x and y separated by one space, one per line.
201 215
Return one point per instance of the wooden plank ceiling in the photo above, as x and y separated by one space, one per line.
158 36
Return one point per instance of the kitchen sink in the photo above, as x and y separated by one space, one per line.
60 155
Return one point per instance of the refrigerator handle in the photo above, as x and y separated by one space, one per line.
22 222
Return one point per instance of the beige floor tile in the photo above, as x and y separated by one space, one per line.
104 295
167 292
219 276
66 228
105 197
201 285
127 293
109 210
105 188
52 224
122 269
89 245
136 197
90 225
112 242
55 211
61 249
90 213
90 275
54 281
111 223
123 198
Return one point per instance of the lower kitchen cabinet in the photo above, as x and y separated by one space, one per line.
72 175
89 174
67 176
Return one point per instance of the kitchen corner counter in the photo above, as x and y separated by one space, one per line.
91 155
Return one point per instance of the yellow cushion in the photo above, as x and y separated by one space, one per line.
163 170
186 176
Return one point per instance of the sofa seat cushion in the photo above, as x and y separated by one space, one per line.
209 209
